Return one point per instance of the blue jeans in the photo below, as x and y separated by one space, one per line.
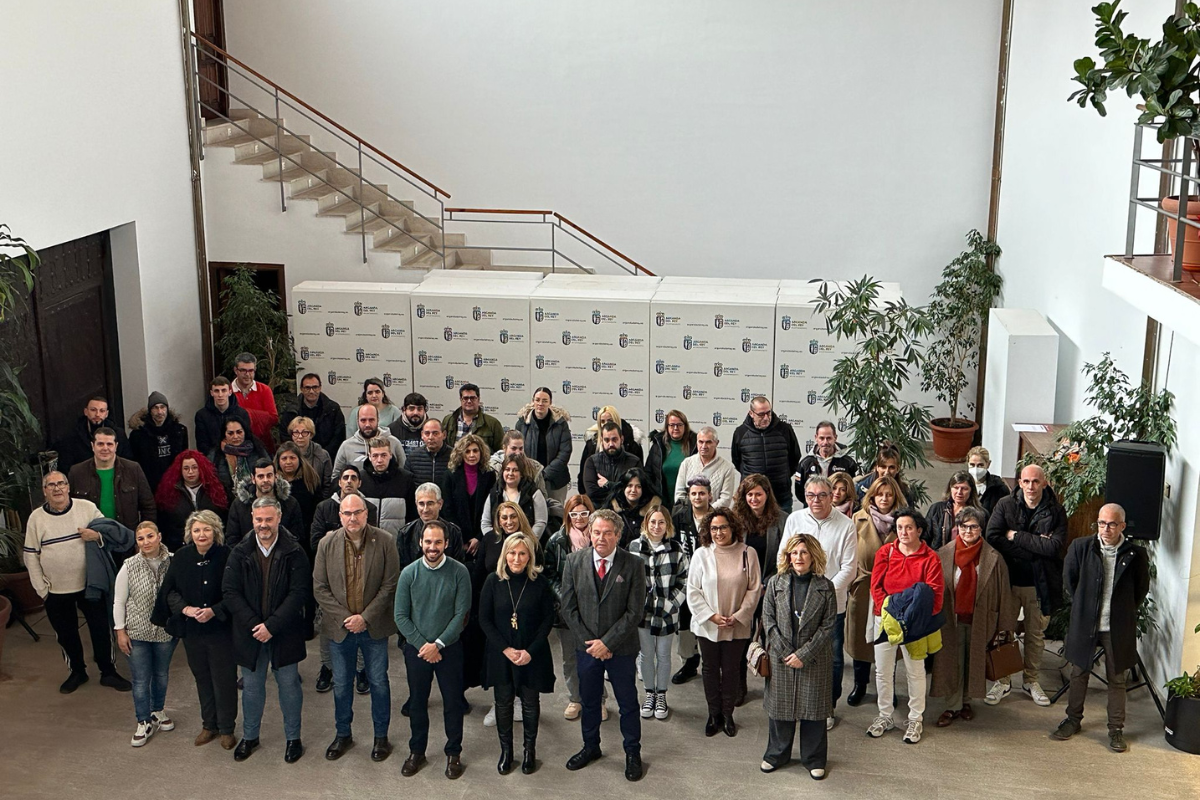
254 695
622 674
149 666
839 655
344 658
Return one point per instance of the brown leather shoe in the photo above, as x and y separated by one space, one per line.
412 764
228 742
205 737
967 712
454 767
947 719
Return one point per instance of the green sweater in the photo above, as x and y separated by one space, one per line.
432 604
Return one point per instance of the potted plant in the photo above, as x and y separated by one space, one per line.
1182 721
960 302
252 321
866 385
1164 73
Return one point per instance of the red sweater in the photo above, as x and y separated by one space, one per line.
260 405
894 572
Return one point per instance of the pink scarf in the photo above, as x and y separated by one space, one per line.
883 522
579 539
844 508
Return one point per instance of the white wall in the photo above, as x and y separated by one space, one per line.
768 137
94 138
1063 206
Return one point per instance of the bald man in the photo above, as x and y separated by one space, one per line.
1029 528
1108 577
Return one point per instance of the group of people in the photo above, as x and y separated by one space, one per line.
460 537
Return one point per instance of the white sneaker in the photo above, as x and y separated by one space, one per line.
162 721
572 711
997 692
830 721
1035 691
489 719
880 726
660 706
518 710
143 733
913 734
648 706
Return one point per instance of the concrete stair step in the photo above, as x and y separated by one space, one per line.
338 205
312 161
237 132
260 152
371 221
469 257
326 182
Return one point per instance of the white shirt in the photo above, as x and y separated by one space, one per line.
838 539
438 565
266 551
597 558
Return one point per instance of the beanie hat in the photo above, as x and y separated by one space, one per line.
155 399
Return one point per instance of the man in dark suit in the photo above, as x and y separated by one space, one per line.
603 599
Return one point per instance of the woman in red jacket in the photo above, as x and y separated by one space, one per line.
900 565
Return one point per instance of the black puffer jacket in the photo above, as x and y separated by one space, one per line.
1034 556
393 493
772 451
428 467
996 489
210 422
1083 575
240 523
155 446
558 443
327 418
629 435
289 592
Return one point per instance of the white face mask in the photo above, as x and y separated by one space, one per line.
978 473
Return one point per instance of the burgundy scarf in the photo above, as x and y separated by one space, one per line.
967 560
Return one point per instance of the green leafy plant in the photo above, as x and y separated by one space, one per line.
968 288
252 321
1163 73
16 271
1078 468
1186 685
865 386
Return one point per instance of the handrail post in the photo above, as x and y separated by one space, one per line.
442 204
1133 191
194 61
553 248
362 209
279 150
1184 192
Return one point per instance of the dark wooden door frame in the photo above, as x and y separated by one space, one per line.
208 21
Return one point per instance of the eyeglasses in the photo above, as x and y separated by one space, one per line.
57 485
719 528
1107 526
244 370
578 514
469 398
818 496
357 513
761 414
674 424
310 388
301 432
975 528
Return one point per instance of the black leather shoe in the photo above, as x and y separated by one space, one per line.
412 764
713 725
687 671
404 709
505 764
324 680
73 682
293 751
633 767
244 749
584 757
382 749
114 681
856 694
730 726
454 767
339 747
529 762
361 685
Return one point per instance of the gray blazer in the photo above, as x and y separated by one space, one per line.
612 617
805 693
382 562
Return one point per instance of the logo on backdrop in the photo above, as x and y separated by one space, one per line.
623 390
813 346
420 310
596 413
623 340
476 313
745 345
331 378
387 379
448 333
478 360
539 362
718 369
449 381
566 387
660 366
812 397
360 355
596 317
505 385
719 321
302 307
660 319
808 445
785 322
386 331
595 365
687 392
717 419
566 337
745 395
687 342
329 329
659 416
783 371
358 308
304 353
539 314
504 336
422 357
842 424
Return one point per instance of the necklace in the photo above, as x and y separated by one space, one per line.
516 602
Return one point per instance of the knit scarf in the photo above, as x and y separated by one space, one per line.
845 507
579 539
243 450
966 558
883 522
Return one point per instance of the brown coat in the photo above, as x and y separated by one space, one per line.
132 496
858 601
994 612
379 583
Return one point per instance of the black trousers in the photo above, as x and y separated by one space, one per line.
862 672
814 742
531 713
212 664
449 673
63 612
722 673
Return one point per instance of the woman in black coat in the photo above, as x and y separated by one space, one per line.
516 612
960 494
234 457
192 592
189 472
989 487
632 496
468 466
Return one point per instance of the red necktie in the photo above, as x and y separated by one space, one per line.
602 568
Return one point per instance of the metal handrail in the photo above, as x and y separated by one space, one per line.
1184 176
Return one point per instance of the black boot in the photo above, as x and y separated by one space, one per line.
531 713
505 764
529 762
687 671
862 675
856 694
504 728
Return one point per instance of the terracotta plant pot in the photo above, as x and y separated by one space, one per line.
1191 236
22 590
952 441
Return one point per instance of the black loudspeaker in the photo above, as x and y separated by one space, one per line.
1137 475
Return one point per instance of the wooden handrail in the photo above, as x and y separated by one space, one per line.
340 127
497 211
603 243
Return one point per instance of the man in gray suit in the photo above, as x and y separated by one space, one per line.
354 581
603 600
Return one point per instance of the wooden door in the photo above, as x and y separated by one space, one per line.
209 23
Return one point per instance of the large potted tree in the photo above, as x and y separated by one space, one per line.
866 385
969 287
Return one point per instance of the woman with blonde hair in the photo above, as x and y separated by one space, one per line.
192 589
799 616
666 587
516 612
148 645
875 526
631 437
303 431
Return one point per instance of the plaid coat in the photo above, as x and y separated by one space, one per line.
805 693
666 583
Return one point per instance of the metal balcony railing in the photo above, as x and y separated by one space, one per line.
1180 169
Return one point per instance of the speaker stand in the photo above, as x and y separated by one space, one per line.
1138 678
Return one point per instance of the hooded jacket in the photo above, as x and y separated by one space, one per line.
354 451
810 465
1034 556
76 446
240 524
558 442
289 590
772 451
209 422
409 436
155 446
327 418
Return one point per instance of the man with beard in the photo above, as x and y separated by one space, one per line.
354 450
156 437
824 459
608 465
77 445
408 428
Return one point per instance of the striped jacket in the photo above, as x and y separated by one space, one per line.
666 583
